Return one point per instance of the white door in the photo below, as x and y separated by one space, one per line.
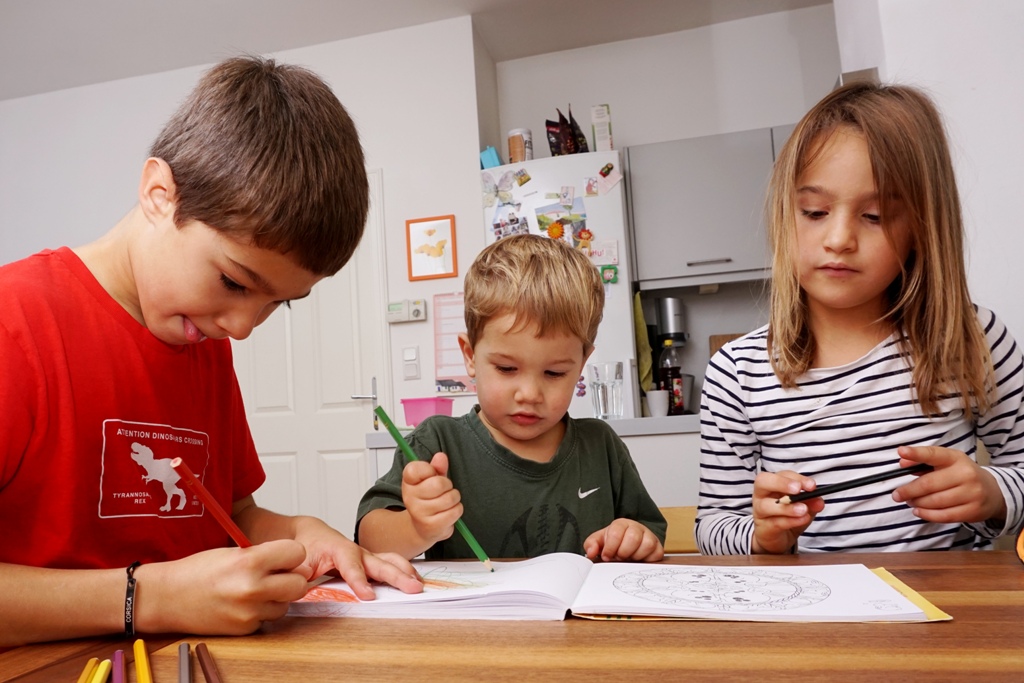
298 372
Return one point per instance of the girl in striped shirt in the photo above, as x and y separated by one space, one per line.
874 357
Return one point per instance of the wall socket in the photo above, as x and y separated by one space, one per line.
407 310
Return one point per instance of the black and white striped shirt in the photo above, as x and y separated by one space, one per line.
841 423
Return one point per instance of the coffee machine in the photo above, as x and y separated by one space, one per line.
670 324
671 321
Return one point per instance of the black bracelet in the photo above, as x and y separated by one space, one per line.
129 602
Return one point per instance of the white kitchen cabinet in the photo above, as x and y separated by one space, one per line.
669 466
696 207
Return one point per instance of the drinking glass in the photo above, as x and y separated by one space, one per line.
606 388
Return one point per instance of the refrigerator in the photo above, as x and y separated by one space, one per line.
578 198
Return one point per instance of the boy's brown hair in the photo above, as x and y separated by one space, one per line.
929 301
539 280
266 151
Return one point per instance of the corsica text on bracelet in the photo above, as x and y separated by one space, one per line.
129 601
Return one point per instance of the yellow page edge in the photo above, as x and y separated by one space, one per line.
931 612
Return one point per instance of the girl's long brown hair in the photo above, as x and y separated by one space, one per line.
930 302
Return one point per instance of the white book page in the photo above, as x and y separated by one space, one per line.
848 592
457 589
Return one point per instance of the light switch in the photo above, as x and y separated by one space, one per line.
411 362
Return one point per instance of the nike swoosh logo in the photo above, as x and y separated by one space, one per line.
584 494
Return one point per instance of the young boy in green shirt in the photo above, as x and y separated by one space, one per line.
526 478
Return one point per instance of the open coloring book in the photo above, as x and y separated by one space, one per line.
549 586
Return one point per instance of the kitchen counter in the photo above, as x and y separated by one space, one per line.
639 426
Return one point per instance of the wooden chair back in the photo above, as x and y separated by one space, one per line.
680 537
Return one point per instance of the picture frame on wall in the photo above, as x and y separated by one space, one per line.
430 247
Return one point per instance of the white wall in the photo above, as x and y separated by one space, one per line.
487 97
969 56
738 75
413 95
69 160
424 101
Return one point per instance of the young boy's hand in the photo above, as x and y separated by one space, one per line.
327 549
432 501
959 490
777 526
624 540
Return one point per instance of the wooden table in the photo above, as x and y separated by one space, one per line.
983 591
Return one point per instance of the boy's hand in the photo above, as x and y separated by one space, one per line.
958 490
226 591
432 501
624 540
777 526
327 549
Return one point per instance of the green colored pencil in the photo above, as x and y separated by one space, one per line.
410 455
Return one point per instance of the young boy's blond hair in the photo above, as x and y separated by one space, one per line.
541 281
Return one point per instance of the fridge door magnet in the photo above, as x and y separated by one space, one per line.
496 192
561 222
431 247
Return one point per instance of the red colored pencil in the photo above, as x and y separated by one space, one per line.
192 482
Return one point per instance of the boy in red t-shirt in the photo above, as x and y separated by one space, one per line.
115 360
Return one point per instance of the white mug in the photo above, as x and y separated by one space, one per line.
657 402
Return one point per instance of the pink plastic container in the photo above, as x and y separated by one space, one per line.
419 409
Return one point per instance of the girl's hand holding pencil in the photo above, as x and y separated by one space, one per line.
948 488
777 527
959 490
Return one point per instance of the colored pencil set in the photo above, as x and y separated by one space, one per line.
96 671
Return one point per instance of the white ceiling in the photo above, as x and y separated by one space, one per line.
54 44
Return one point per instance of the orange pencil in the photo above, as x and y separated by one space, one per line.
192 482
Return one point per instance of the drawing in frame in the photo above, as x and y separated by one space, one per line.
430 247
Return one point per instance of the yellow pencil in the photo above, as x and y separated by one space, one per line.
143 674
87 672
102 672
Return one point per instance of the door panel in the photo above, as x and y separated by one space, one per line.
298 371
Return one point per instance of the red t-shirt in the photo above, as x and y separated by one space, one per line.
92 410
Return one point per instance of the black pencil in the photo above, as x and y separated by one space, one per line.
854 483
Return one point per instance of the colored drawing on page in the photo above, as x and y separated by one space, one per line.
325 594
444 579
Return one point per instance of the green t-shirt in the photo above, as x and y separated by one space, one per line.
521 508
